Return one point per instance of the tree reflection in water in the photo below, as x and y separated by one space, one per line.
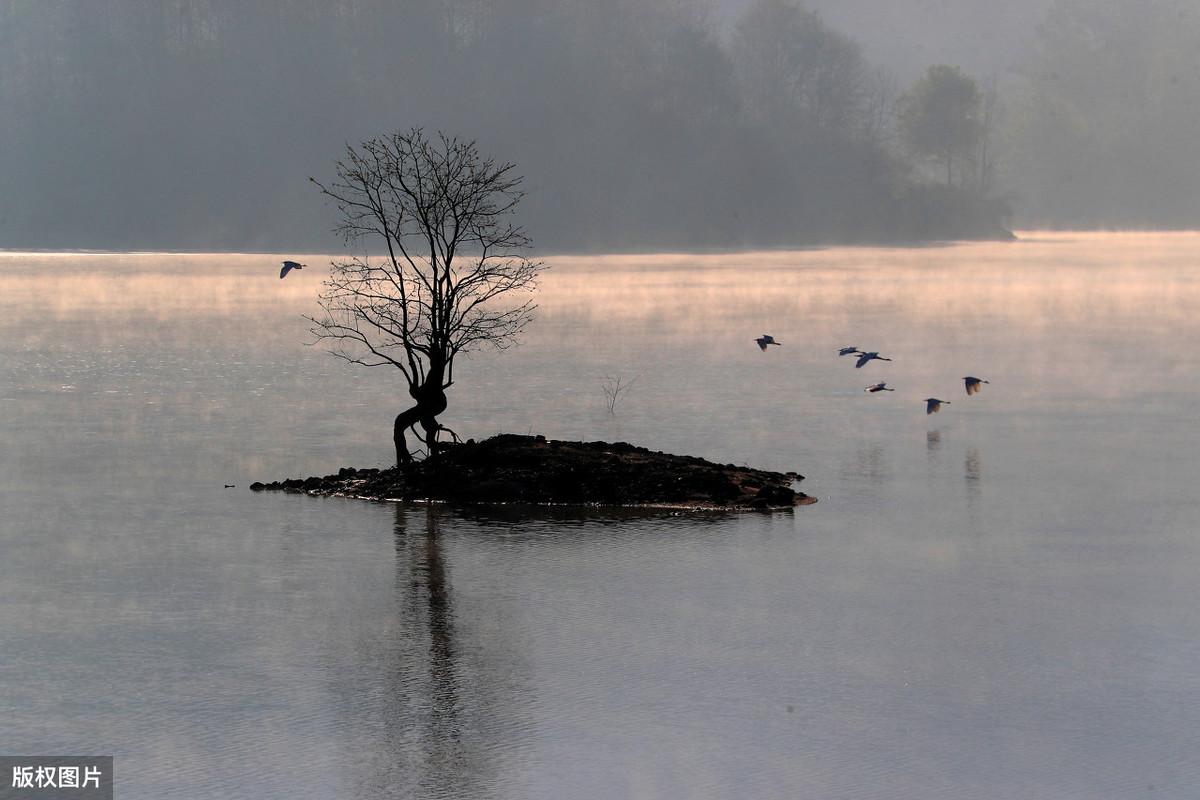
425 693
428 610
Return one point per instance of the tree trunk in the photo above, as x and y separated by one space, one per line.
404 420
431 401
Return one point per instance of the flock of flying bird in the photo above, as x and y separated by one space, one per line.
932 404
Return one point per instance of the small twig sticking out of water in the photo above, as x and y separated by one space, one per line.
613 388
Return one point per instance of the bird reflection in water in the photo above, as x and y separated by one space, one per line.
972 472
870 462
933 441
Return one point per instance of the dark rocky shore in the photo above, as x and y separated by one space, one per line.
533 470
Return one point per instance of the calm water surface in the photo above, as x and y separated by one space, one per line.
999 601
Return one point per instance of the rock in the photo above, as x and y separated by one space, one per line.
770 496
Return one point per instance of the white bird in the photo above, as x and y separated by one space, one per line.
288 266
864 358
765 340
849 351
878 387
933 405
973 384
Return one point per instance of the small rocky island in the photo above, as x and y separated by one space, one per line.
533 470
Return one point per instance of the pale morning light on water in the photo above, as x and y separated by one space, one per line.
995 601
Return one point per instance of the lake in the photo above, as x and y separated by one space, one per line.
997 601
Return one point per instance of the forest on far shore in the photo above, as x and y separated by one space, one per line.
638 124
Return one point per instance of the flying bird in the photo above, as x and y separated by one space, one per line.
864 358
849 351
878 387
933 405
288 266
765 340
973 384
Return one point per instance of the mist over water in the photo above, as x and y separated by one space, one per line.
995 601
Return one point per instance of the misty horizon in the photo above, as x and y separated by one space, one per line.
194 125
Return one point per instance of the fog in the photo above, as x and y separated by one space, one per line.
906 36
639 124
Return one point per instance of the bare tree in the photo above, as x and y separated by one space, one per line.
881 93
939 117
990 111
796 71
441 213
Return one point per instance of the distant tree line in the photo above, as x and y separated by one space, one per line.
637 123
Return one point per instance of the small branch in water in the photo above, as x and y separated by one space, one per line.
613 387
